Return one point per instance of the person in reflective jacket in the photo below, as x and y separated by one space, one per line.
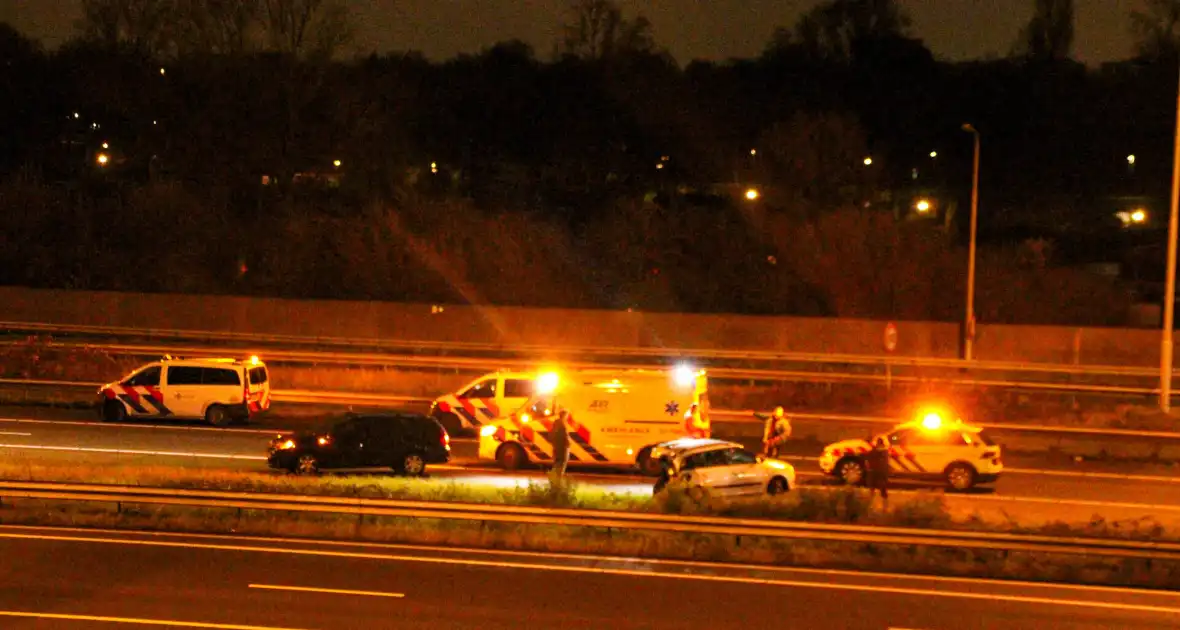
878 469
775 432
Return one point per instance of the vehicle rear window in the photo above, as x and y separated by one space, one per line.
258 376
219 376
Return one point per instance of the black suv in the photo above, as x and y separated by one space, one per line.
405 442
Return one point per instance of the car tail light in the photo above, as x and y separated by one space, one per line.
444 407
445 440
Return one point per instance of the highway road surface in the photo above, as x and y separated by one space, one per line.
1028 491
75 579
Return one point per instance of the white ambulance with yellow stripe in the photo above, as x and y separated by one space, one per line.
931 448
614 417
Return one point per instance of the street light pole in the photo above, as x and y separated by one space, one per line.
1166 345
969 330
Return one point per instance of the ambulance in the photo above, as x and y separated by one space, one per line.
614 418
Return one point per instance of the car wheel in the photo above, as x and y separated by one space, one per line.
960 477
307 465
648 465
511 457
851 471
413 465
778 485
114 411
217 416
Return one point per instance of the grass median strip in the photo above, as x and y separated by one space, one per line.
845 505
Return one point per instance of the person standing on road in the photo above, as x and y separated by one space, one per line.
560 438
878 469
775 432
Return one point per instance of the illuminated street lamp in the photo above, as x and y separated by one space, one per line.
868 160
337 163
933 154
923 206
103 159
969 333
1131 160
752 194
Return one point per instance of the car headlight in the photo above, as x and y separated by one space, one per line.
288 445
488 430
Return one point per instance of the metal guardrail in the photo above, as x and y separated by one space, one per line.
291 396
532 350
478 364
738 527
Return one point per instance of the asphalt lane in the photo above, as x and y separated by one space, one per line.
88 579
244 448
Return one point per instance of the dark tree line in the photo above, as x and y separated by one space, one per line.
231 146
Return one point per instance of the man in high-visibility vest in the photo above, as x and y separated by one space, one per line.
695 425
776 431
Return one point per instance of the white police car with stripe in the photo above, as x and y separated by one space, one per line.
960 454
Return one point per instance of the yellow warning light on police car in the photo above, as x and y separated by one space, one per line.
932 421
254 360
547 382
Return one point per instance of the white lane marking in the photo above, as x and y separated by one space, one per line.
15 433
123 451
562 557
158 427
329 591
1092 475
135 621
865 588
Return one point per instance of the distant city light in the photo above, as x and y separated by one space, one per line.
752 194
154 122
923 206
753 151
77 115
434 167
1131 160
337 163
934 154
1133 217
106 146
103 159
868 161
659 165
664 158
162 72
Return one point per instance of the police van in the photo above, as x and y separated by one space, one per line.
218 391
482 400
613 418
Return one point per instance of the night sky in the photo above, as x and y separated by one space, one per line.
711 29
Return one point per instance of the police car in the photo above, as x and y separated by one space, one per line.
218 391
721 467
955 452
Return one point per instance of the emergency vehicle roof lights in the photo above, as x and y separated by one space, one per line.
932 421
685 375
254 360
547 382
